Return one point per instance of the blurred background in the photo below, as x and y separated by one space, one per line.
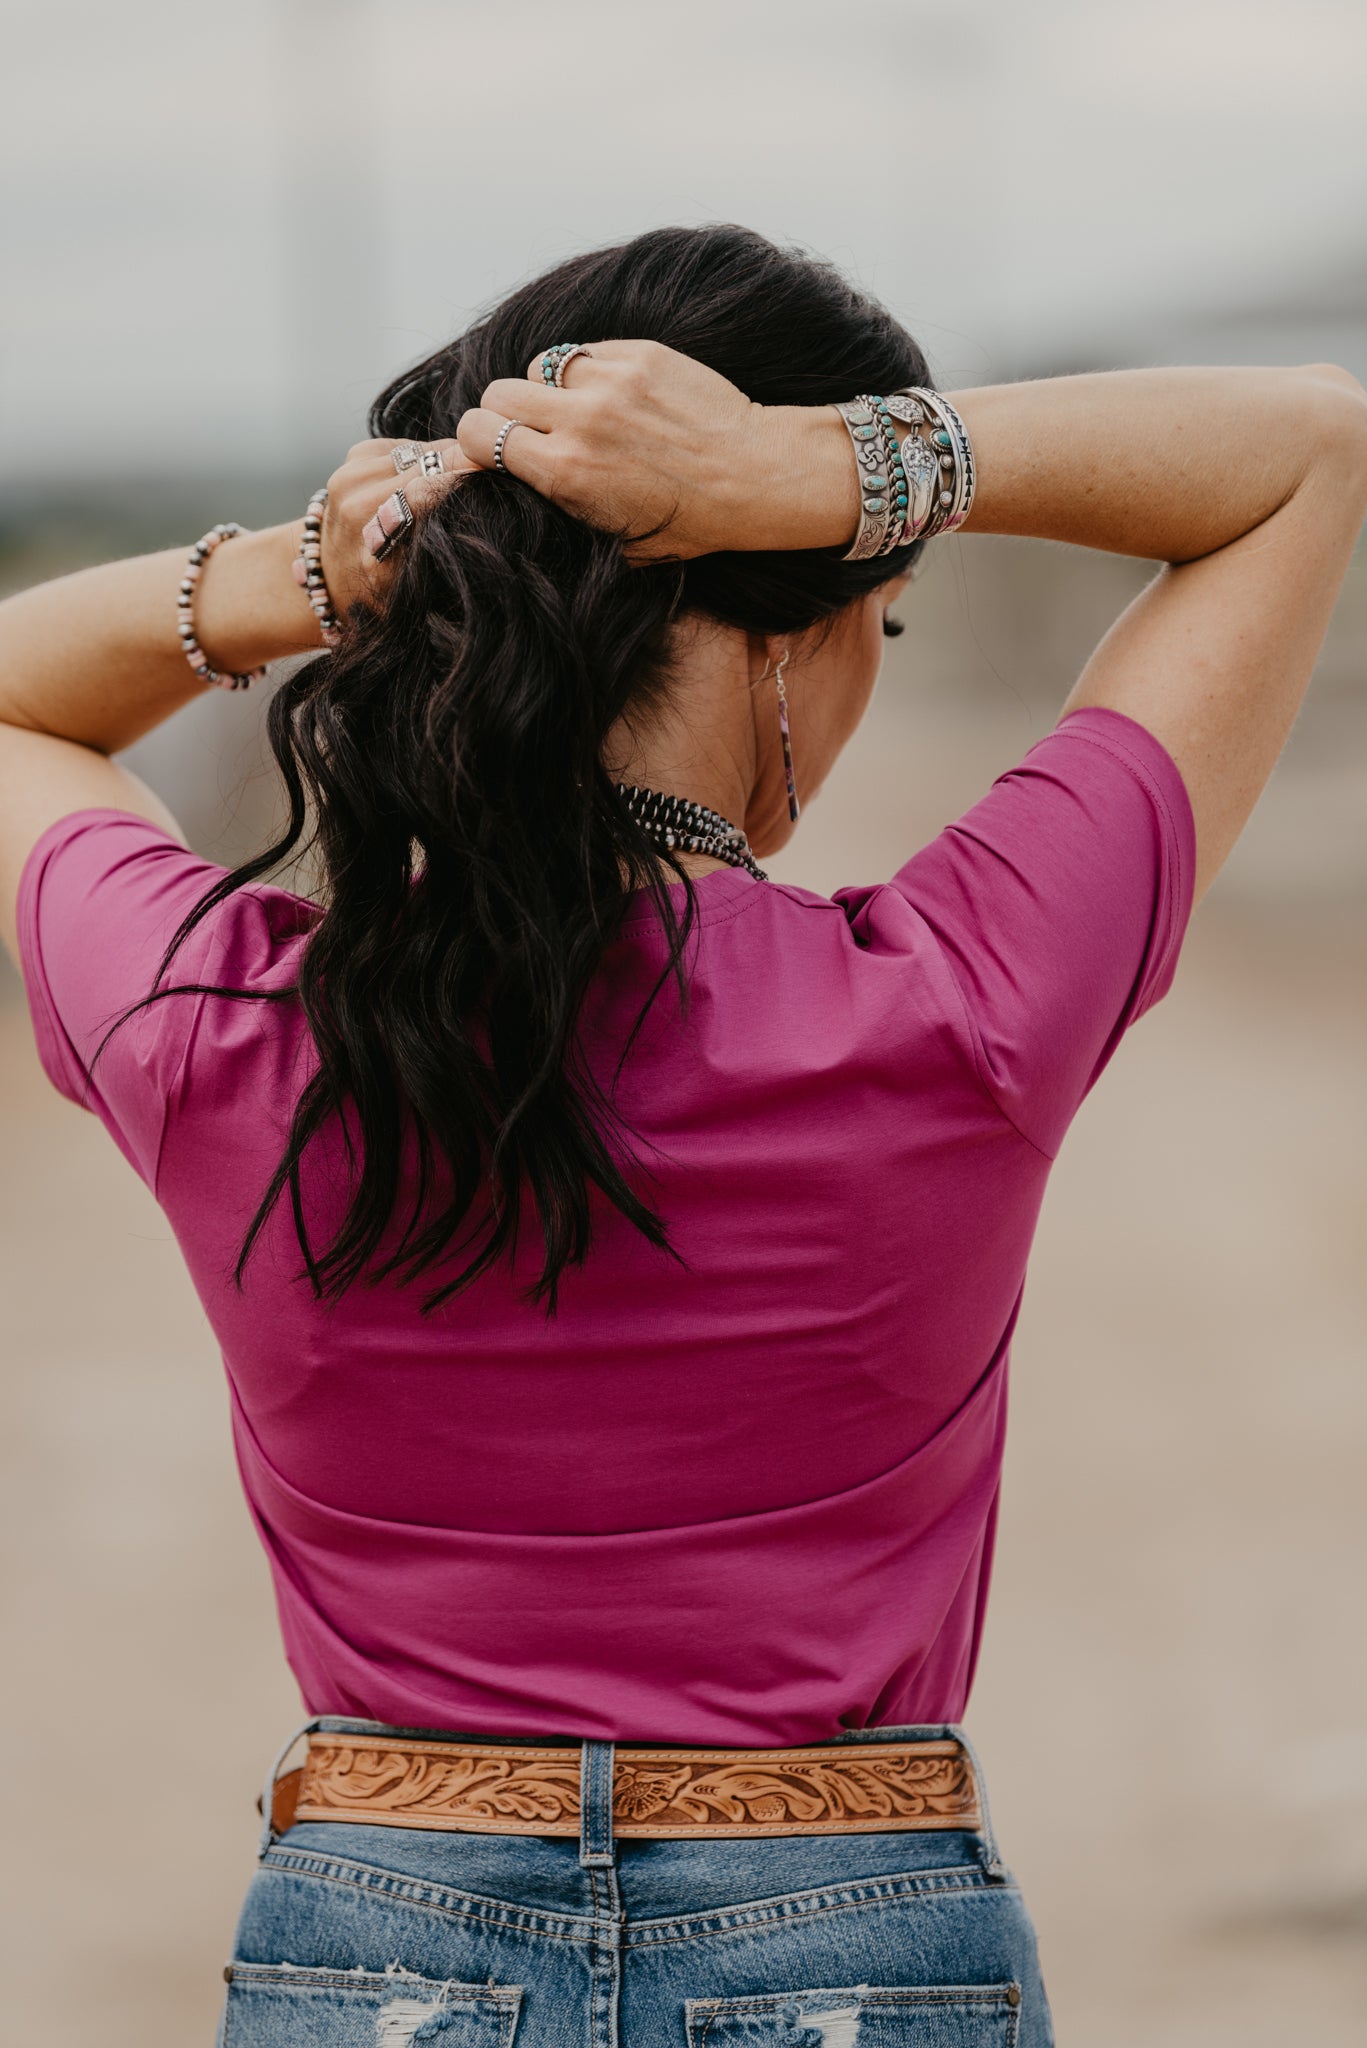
222 230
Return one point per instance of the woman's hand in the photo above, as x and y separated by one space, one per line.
646 443
360 512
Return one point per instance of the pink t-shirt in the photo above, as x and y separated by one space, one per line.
749 1499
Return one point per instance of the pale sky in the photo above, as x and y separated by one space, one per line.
225 225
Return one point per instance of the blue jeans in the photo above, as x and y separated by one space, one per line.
378 1937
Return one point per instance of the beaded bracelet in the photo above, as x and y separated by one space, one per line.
185 625
897 476
308 571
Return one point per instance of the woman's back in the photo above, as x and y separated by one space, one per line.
745 1494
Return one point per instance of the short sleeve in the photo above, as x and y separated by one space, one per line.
1059 904
100 898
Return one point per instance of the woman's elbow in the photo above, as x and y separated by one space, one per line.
1337 418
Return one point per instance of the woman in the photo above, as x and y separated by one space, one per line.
615 1255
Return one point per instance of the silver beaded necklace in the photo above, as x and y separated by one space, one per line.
685 827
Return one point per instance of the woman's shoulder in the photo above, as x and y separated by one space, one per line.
104 879
103 895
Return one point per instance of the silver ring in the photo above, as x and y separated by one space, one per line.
432 464
407 455
564 362
389 541
503 434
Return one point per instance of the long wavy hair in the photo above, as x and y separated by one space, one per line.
444 766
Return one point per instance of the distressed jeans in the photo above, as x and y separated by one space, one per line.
358 1936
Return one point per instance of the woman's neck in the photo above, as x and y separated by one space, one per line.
701 745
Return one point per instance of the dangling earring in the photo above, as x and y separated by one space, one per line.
794 807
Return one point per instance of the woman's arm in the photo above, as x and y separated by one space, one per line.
90 662
1250 484
1253 492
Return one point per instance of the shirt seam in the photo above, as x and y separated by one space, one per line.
979 1066
175 1085
58 835
1135 764
1139 767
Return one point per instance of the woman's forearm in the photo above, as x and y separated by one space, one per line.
1169 465
1165 464
95 657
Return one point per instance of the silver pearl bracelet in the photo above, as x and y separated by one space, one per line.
226 679
308 571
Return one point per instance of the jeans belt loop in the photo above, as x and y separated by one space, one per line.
268 1790
992 1862
596 1849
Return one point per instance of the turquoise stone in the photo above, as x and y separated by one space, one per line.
941 438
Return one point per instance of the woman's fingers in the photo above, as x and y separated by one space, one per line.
540 405
641 442
525 452
365 517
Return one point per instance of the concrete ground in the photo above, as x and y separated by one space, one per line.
1171 1704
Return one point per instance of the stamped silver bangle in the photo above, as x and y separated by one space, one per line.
923 482
871 476
947 444
968 472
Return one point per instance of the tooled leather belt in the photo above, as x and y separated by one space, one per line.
516 1789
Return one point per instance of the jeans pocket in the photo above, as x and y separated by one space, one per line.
865 2016
278 2005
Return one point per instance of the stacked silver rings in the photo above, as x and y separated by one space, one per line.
934 492
557 359
406 455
